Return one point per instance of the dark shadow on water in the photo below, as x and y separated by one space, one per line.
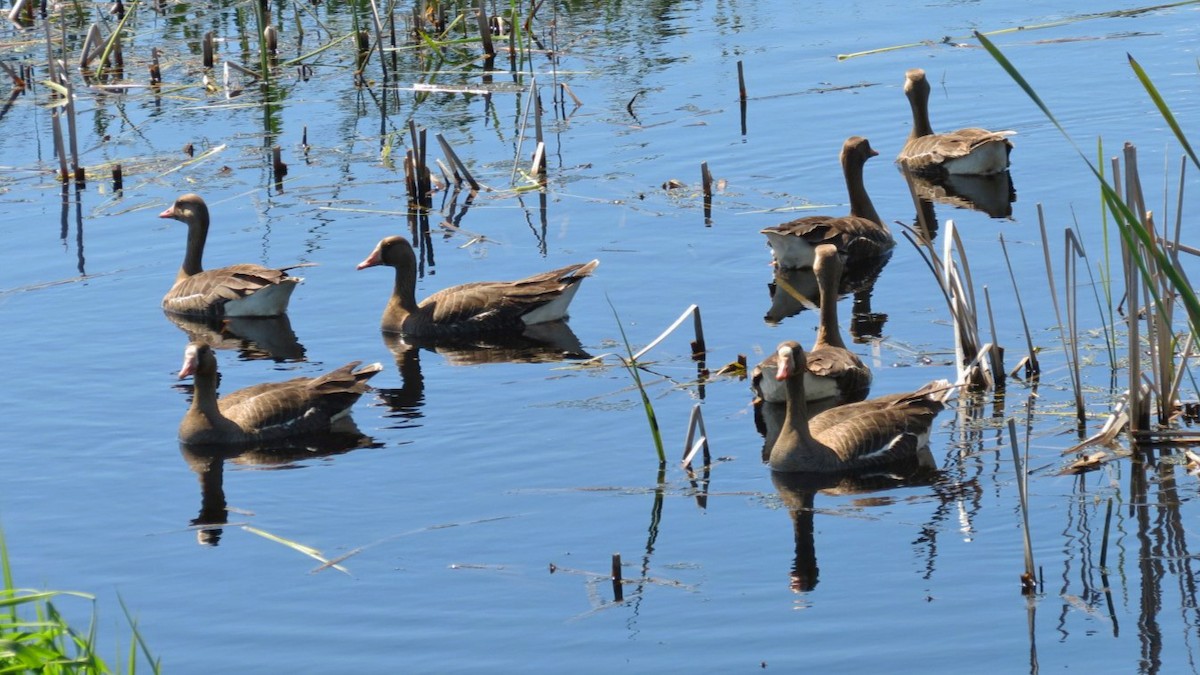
253 337
208 462
798 491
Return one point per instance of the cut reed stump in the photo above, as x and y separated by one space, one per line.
618 591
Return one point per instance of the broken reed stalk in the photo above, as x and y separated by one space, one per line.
155 69
416 171
967 344
485 28
512 178
698 326
538 165
14 14
1032 367
1160 317
459 167
996 353
706 185
61 83
537 111
741 82
91 46
1076 385
1072 252
618 590
574 98
1023 492
206 50
945 273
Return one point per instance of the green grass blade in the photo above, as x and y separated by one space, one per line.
631 366
1162 107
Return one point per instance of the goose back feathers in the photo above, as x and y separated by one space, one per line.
475 308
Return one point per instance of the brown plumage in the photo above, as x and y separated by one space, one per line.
880 432
964 151
859 235
236 290
832 370
265 412
475 308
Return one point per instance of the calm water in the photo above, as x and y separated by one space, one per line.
473 480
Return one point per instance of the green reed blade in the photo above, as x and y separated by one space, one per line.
1162 107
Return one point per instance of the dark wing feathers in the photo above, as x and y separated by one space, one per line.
845 232
499 305
298 405
925 155
206 292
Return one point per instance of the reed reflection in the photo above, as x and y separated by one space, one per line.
252 337
208 462
798 491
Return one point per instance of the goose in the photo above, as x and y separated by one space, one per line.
879 432
237 290
965 151
476 308
265 412
832 370
860 235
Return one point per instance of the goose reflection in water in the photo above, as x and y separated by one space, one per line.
267 337
208 462
540 343
547 342
794 290
993 195
797 491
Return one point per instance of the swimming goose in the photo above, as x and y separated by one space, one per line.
884 431
965 151
860 235
832 370
265 412
237 290
475 308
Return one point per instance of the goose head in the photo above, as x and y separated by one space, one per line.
916 88
394 251
198 361
856 151
189 209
